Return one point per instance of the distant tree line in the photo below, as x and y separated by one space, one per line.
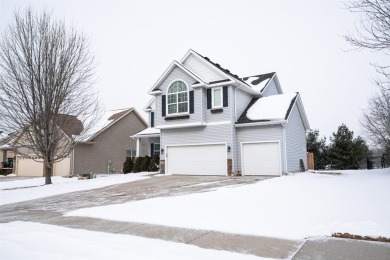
343 152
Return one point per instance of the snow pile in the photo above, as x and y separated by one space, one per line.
271 107
41 241
293 207
23 190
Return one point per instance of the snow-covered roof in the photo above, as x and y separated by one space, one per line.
148 132
108 119
6 141
267 109
258 82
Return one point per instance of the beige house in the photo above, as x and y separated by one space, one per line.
6 155
102 151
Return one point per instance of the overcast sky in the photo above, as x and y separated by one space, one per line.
135 41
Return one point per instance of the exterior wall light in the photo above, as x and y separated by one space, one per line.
228 148
162 150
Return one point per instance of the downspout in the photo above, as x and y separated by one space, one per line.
232 128
284 147
72 162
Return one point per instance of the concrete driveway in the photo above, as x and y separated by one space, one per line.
50 210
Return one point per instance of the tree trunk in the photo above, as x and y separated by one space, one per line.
48 173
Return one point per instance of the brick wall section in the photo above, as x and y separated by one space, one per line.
109 145
162 166
229 167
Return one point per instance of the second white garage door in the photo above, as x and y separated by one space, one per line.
208 159
261 158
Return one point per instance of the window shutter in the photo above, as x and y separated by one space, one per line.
225 96
151 119
151 149
191 102
163 104
208 98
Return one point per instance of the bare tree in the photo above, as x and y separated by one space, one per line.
375 118
373 32
46 96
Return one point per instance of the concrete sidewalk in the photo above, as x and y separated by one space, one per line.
254 245
51 210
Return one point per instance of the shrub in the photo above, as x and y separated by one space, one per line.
145 164
128 165
137 164
154 163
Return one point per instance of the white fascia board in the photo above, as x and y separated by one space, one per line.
145 136
248 89
281 122
277 82
165 74
180 126
149 104
302 112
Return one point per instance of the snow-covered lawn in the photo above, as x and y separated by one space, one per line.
295 207
24 240
29 189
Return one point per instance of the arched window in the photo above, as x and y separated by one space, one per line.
177 98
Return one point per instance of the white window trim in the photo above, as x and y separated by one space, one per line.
212 97
177 103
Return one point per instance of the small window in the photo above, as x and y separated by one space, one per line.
154 149
177 98
131 154
216 97
151 119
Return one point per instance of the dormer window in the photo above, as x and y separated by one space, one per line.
177 98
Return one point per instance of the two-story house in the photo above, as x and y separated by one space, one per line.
204 120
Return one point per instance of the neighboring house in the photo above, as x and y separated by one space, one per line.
151 135
212 122
6 154
102 151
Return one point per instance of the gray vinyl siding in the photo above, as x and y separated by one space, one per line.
196 135
257 134
111 145
225 115
199 68
271 89
242 101
295 141
179 74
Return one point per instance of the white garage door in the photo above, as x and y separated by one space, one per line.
261 158
197 159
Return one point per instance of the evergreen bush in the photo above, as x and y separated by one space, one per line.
145 164
128 165
154 163
137 164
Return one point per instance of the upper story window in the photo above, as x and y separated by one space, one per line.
151 119
216 97
177 98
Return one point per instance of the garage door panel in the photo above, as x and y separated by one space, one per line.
197 159
261 158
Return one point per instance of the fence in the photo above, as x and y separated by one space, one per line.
377 162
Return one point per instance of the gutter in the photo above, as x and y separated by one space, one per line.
262 123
